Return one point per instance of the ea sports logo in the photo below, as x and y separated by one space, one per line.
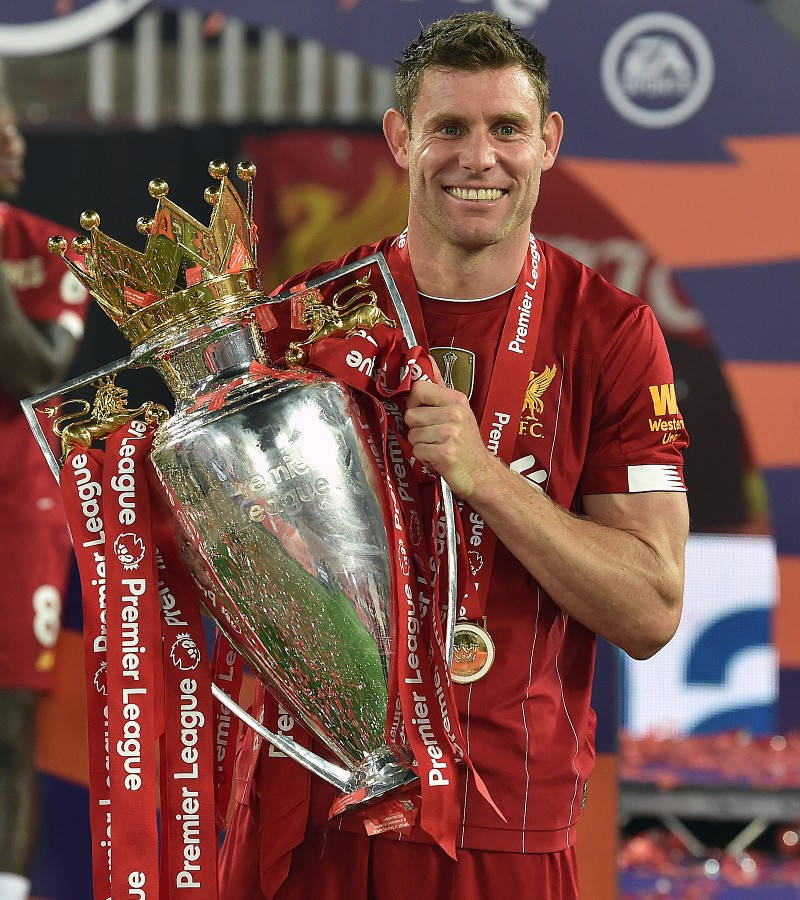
657 70
129 550
185 654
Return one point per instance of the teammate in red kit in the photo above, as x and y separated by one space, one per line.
556 425
42 311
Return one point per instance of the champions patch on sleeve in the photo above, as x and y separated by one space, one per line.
654 478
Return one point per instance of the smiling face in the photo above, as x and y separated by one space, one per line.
12 153
475 153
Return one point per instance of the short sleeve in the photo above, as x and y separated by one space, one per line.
46 289
61 299
637 432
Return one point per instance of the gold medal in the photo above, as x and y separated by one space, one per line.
473 652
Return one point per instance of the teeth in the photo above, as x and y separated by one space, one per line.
475 193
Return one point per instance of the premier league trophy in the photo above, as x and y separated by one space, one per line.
277 500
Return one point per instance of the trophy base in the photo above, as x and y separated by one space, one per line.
380 774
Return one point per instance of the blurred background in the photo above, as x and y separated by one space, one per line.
678 180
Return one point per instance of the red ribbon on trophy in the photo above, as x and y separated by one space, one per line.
421 699
227 670
133 660
82 489
147 683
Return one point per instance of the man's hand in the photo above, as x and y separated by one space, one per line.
445 436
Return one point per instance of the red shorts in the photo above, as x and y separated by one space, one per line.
342 865
36 561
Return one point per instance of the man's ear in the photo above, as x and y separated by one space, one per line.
395 130
552 133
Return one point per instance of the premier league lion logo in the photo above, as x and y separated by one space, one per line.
129 550
185 653
100 680
475 561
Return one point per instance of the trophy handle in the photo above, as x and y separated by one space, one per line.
340 778
452 595
39 402
447 494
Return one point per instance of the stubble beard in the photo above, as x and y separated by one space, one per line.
476 236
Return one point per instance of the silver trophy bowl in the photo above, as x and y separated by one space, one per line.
278 503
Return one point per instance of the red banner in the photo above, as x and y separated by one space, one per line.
420 676
145 649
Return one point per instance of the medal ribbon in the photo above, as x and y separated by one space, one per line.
284 790
500 420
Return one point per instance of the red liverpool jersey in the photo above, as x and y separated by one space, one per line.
599 415
46 292
33 533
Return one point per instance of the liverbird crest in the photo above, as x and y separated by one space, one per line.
188 272
537 385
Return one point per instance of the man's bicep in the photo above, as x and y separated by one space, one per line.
659 519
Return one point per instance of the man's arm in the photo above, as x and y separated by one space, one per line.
619 570
33 356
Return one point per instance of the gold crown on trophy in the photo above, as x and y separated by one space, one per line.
188 274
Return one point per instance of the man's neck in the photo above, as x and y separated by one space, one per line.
444 270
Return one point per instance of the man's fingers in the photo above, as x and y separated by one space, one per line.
428 393
427 415
426 434
437 375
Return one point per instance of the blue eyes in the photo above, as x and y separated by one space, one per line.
500 130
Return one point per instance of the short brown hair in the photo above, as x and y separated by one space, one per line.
469 41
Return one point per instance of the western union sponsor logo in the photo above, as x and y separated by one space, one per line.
664 402
666 424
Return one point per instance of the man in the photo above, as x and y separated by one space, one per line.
42 310
582 489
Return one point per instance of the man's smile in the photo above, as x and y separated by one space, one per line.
476 193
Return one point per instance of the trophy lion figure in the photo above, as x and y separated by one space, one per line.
107 412
342 317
